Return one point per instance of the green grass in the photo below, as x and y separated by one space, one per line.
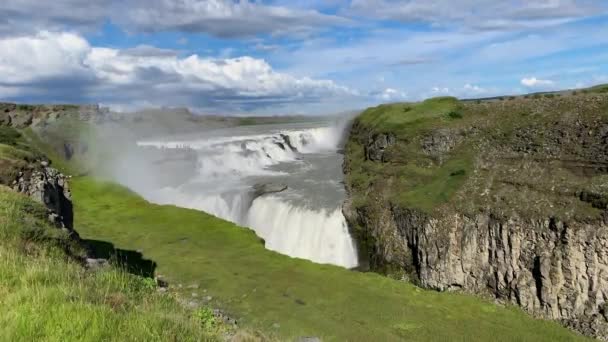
418 180
12 152
9 136
288 297
15 154
46 295
413 177
16 140
602 88
398 118
425 187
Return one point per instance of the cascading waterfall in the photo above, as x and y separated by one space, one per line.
321 236
290 222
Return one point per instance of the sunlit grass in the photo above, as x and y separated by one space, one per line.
289 297
47 296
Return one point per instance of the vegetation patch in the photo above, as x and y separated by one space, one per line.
206 318
603 88
456 153
410 177
397 118
425 187
47 295
264 290
455 115
9 136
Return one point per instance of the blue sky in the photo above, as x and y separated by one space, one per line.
295 57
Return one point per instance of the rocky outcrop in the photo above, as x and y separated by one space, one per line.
49 187
377 145
22 116
552 269
440 142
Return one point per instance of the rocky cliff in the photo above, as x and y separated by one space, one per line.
22 116
506 199
27 170
49 187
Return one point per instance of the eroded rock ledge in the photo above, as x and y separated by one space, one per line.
49 187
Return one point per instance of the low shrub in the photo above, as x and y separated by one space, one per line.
455 115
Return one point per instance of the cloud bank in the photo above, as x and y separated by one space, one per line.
146 76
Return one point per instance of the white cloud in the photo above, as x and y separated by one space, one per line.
480 14
469 90
45 55
55 61
474 89
391 94
441 90
533 82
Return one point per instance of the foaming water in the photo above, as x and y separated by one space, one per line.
318 235
304 221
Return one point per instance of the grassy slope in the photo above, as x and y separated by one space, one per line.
15 154
420 183
416 179
44 295
264 289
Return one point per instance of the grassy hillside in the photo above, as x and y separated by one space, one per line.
424 184
217 262
47 295
16 154
537 153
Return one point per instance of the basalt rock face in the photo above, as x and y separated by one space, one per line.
50 187
526 221
553 269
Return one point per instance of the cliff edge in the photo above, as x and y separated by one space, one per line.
506 198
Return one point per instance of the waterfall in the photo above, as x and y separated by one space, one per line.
229 165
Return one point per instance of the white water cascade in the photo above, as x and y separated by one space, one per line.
304 221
